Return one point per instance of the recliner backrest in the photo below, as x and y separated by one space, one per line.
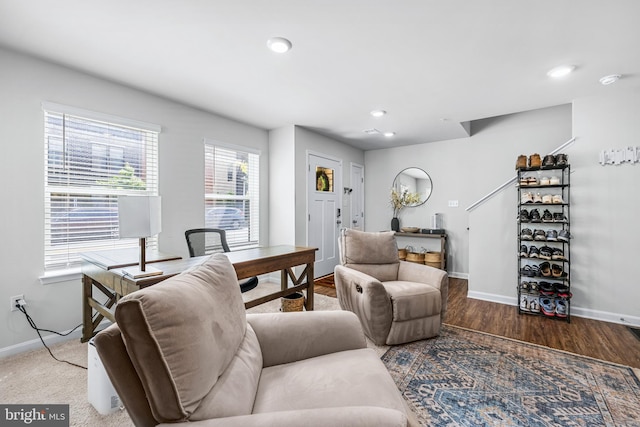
373 253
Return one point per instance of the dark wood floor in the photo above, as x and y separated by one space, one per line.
601 340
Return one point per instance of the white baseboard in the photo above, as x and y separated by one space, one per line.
51 339
457 275
587 313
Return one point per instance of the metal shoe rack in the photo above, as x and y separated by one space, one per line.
544 285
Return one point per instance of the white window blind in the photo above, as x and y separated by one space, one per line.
91 159
231 182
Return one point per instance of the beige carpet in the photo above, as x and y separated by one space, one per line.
36 378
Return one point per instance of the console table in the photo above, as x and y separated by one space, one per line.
443 244
104 271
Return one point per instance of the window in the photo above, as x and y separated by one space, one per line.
231 183
91 159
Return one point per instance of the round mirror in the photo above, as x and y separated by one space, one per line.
413 186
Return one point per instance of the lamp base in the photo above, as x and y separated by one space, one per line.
136 273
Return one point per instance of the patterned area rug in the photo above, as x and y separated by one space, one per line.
468 378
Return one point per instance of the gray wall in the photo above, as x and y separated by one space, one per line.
26 82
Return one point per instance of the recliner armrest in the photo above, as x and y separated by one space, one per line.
288 337
421 273
347 416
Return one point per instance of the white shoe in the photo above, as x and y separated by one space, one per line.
554 180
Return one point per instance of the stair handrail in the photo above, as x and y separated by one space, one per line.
498 189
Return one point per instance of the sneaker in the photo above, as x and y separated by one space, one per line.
524 302
526 198
523 251
552 235
545 180
547 289
527 271
521 163
564 236
554 180
561 307
539 235
534 160
526 234
559 217
547 306
534 303
546 216
545 269
558 254
533 252
561 160
535 215
537 198
549 160
524 215
547 199
557 199
545 252
562 290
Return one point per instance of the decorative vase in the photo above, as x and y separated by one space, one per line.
395 224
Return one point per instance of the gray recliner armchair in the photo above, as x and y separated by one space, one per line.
185 351
396 301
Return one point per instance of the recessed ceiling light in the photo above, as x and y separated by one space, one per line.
607 80
279 44
378 113
561 71
389 134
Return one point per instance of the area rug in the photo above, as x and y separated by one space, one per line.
468 378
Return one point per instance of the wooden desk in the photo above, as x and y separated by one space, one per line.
104 271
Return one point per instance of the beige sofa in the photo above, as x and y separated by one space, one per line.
396 301
185 351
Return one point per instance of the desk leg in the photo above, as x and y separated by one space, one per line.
87 294
310 290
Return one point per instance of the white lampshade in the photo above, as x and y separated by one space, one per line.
139 216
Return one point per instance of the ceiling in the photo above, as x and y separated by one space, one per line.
433 65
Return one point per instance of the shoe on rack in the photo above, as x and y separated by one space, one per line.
534 215
547 199
561 307
532 180
521 163
564 235
526 197
524 286
558 254
523 251
545 269
534 303
549 160
537 198
524 215
545 252
524 181
526 271
552 235
547 306
559 217
526 234
562 160
546 216
554 180
533 287
539 235
535 161
545 180
535 270
524 302
547 289
557 199
561 289
556 271
533 252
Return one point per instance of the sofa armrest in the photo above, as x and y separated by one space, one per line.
348 416
288 337
413 272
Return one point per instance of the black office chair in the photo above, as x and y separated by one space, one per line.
207 241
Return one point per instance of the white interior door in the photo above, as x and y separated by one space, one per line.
356 195
324 189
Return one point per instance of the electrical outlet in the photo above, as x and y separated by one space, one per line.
14 300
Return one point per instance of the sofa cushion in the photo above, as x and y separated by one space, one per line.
411 300
179 366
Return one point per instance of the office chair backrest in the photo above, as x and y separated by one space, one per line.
206 241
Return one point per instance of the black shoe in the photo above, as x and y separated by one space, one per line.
545 252
526 234
539 235
549 160
552 235
523 251
535 215
524 215
558 254
533 252
561 160
546 216
559 217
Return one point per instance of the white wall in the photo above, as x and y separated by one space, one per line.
282 185
466 170
24 83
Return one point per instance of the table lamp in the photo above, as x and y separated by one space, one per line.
139 217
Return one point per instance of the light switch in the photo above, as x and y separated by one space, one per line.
453 203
